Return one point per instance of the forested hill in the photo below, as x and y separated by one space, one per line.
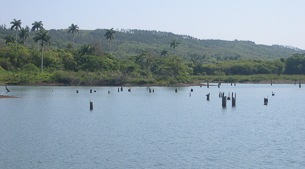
135 42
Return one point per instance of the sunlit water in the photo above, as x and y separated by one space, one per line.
53 128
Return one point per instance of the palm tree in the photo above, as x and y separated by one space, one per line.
36 27
9 39
16 24
164 53
174 44
73 29
24 34
109 36
43 37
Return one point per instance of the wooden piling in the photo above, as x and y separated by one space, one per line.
224 101
300 84
208 84
91 105
90 90
266 101
220 94
121 88
233 100
208 97
176 90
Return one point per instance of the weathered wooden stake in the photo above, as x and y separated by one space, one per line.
266 101
224 101
90 90
121 88
233 100
176 90
271 82
300 84
208 97
208 84
91 105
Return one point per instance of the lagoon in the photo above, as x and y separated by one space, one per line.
52 127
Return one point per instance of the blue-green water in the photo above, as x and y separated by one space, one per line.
52 127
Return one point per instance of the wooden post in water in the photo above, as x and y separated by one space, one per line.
271 82
300 84
266 101
91 105
208 97
233 100
121 88
224 101
176 90
90 90
208 84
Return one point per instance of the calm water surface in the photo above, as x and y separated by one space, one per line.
53 128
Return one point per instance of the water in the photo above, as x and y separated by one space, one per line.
52 127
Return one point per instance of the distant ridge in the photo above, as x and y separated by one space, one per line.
129 42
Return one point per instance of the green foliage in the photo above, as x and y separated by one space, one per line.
140 57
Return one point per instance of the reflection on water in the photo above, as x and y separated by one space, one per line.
53 127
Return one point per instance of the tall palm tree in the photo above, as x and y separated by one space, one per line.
36 27
109 36
43 37
16 24
73 29
9 39
174 45
24 34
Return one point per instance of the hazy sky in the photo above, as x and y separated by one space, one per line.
262 21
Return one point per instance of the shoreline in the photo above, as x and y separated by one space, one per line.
7 97
196 83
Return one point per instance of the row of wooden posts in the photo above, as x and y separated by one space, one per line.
221 94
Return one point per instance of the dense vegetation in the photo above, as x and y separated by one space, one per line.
109 57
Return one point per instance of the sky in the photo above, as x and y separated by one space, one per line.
268 22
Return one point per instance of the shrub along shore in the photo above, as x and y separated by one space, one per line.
62 78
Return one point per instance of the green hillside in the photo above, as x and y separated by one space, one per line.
133 42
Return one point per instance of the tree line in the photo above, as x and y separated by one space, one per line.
90 63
